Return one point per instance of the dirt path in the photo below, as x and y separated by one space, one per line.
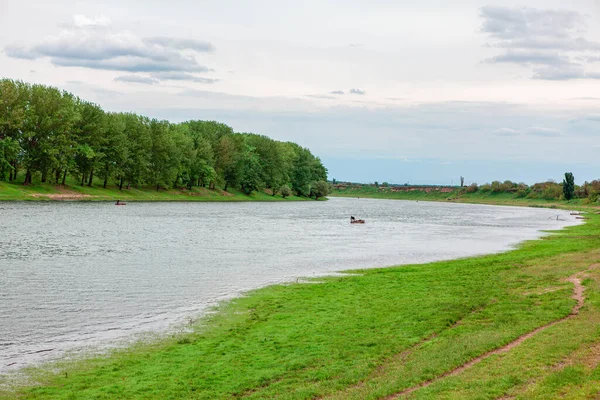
577 295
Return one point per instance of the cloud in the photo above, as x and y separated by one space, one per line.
337 92
357 91
506 132
136 79
543 131
91 43
549 42
181 44
182 76
321 96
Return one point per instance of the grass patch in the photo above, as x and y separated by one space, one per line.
372 334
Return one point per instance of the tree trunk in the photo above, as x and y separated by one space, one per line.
121 184
27 177
105 181
226 185
91 177
57 175
15 171
157 188
64 181
44 175
10 175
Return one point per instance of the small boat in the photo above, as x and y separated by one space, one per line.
120 203
356 221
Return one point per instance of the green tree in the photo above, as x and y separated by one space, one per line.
13 103
91 138
229 165
320 189
114 147
139 144
9 150
569 186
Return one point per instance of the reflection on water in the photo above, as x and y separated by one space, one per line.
87 274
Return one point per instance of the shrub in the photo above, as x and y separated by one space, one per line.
285 191
472 188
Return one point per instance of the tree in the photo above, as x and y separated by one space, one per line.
9 150
569 186
228 164
139 144
462 181
320 189
114 148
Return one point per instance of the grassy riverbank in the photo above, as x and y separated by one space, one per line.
378 332
45 192
449 194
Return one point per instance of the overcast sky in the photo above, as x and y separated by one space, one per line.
397 91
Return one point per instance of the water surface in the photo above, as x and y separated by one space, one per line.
88 274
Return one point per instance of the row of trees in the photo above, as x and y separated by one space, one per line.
51 134
549 190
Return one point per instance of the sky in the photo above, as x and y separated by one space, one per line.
398 91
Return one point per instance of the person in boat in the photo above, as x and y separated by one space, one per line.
352 219
118 203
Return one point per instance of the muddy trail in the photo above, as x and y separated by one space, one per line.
577 295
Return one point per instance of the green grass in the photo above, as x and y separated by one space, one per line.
373 333
72 191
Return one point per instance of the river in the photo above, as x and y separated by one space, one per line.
77 275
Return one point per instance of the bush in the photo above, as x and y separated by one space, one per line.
285 191
320 189
485 188
472 188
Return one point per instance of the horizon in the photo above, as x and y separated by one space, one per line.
490 90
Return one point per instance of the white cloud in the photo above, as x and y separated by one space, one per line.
549 42
83 45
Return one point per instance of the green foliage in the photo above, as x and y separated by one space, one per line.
9 151
569 186
320 189
285 191
47 131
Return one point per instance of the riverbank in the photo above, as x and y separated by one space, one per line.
379 332
51 192
451 194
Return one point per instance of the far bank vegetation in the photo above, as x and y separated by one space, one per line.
587 193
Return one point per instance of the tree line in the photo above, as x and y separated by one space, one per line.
48 134
549 190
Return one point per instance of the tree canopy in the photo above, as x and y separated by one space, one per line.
49 134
